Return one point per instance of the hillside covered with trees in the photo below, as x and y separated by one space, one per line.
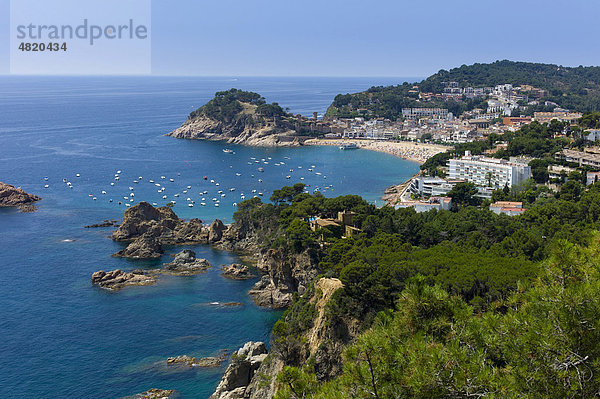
576 88
441 303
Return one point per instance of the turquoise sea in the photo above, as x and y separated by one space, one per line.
62 338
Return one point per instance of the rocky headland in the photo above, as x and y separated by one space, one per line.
11 196
240 117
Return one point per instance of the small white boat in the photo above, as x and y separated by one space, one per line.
112 184
190 205
78 175
176 195
46 186
171 180
189 187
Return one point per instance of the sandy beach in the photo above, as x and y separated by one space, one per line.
417 152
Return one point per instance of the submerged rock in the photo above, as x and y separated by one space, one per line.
106 223
189 361
14 196
237 271
118 279
239 373
154 393
144 247
186 264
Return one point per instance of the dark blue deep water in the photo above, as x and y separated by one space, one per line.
62 338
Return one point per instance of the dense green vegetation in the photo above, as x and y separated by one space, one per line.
540 342
573 88
421 283
227 105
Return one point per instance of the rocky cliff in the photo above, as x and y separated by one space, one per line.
14 196
237 380
240 117
284 274
241 131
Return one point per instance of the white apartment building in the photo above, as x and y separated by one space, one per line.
486 172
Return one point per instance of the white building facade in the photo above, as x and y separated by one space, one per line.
488 172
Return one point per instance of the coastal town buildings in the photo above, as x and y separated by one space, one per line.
438 203
579 157
592 177
507 207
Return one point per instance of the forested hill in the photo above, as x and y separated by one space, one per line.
576 88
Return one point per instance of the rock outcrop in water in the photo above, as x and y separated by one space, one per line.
117 279
13 196
241 117
144 247
162 224
237 272
236 381
186 264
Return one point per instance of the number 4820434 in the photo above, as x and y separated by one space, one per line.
43 46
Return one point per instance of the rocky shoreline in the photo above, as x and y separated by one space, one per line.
184 264
145 229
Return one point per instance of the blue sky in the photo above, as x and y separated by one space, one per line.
359 38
